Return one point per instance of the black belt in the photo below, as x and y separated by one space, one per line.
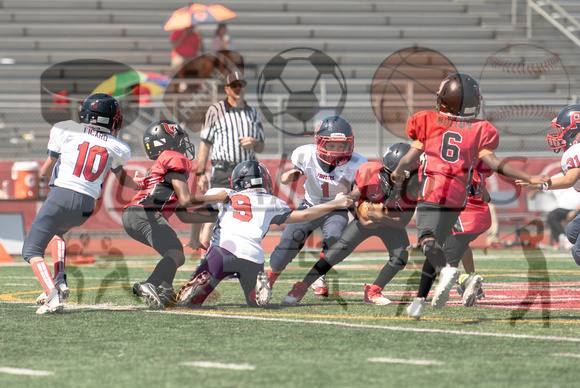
223 165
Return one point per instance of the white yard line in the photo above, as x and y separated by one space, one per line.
564 354
25 372
208 364
404 361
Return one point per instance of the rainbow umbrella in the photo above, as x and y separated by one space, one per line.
197 14
124 84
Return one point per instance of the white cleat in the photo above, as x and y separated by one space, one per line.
415 309
53 303
472 289
263 289
447 278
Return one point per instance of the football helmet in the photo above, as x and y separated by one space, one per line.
332 131
391 159
567 129
166 135
102 110
459 96
249 175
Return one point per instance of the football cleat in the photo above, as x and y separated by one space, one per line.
373 295
472 287
415 309
296 294
41 298
52 304
61 285
166 294
447 278
148 292
193 292
461 289
263 289
319 286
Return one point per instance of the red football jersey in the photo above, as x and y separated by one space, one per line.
157 193
368 182
451 149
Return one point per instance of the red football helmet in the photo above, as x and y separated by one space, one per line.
568 131
334 130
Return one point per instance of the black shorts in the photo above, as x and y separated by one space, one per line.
221 173
435 221
149 227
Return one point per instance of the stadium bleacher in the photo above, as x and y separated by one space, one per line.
357 35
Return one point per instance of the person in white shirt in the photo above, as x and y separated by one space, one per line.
79 157
330 167
240 227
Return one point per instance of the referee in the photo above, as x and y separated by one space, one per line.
232 133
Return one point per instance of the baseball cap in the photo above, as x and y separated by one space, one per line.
235 76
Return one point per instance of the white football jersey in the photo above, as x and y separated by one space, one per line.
243 222
571 159
85 156
321 186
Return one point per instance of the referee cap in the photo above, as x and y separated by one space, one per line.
235 76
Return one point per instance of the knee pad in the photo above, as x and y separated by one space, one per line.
398 259
434 253
431 247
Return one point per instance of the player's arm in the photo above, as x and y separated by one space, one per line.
393 218
561 182
339 202
504 168
202 155
48 166
290 176
179 183
199 215
126 179
402 171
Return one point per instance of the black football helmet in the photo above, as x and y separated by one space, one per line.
166 135
459 96
568 131
391 159
102 110
250 175
334 129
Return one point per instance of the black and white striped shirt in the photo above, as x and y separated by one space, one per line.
225 125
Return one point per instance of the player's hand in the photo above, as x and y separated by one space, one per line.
398 177
375 215
222 197
202 183
527 185
195 245
343 200
249 143
539 179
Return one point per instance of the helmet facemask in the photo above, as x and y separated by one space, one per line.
334 150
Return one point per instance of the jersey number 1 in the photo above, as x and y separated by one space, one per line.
86 161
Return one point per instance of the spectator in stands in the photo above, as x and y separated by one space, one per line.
186 45
222 45
222 40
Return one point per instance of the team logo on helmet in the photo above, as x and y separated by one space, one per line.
170 128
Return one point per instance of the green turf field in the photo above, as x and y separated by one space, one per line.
524 333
